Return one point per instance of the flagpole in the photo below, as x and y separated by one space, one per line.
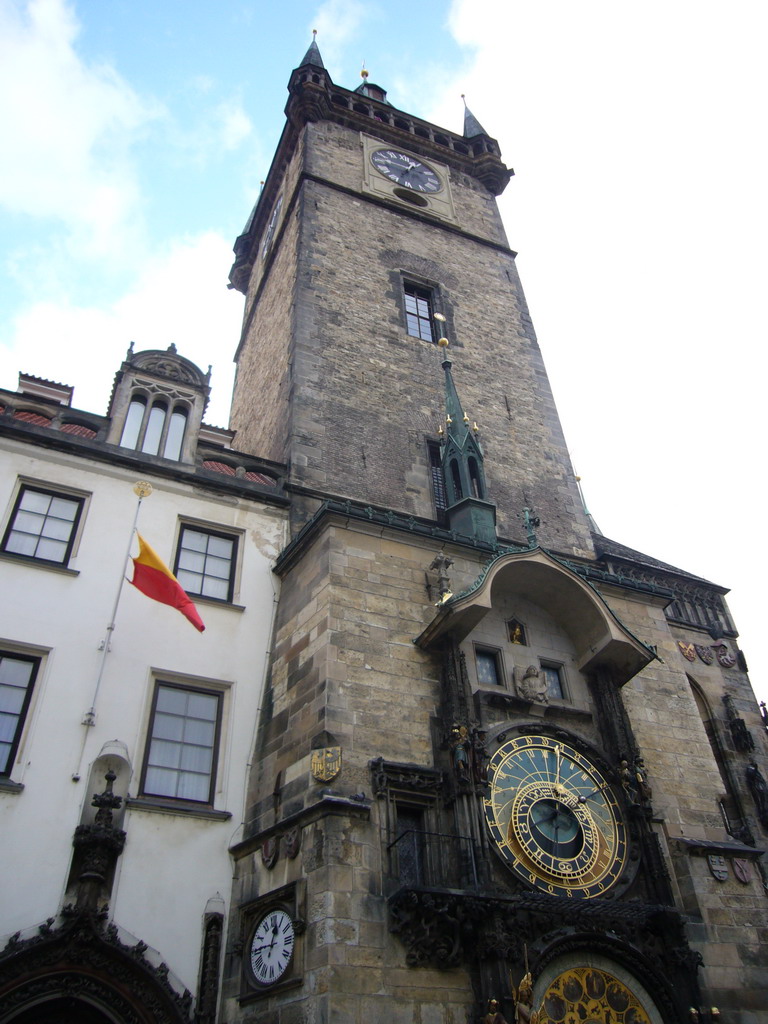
142 489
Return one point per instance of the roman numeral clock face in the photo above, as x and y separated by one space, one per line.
406 171
272 947
554 818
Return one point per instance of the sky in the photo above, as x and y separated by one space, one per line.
136 134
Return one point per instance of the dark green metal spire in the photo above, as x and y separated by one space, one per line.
312 56
469 512
472 126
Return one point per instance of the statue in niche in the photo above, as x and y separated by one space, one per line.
531 685
516 632
759 790
460 750
524 1011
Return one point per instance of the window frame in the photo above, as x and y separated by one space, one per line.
419 290
234 567
25 486
23 715
555 666
155 404
187 687
497 655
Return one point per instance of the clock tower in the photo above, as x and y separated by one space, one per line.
486 766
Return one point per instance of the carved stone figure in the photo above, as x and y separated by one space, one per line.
532 685
460 745
524 1011
494 1015
759 789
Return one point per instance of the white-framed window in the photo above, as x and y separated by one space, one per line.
183 739
43 524
206 561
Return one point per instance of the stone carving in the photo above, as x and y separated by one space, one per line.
740 734
718 867
494 1015
531 685
460 752
759 791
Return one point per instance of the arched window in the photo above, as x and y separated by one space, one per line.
475 479
176 427
154 429
150 429
456 479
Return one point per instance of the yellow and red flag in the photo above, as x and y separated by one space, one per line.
153 577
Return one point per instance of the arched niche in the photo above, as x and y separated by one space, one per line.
600 641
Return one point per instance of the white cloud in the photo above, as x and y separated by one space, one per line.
181 297
338 23
68 126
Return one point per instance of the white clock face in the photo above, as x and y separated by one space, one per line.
272 947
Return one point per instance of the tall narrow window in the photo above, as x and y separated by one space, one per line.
182 745
456 478
488 667
409 844
418 312
176 428
17 677
475 479
133 421
154 431
439 497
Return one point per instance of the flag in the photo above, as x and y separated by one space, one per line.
153 577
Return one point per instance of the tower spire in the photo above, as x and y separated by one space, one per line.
472 126
469 512
312 56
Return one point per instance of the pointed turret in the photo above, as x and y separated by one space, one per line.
312 56
472 126
469 512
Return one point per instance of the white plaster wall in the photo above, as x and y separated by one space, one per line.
172 863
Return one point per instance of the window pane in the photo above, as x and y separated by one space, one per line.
193 787
195 540
220 546
12 699
193 560
198 732
171 699
133 423
169 727
175 434
554 681
218 589
165 755
35 501
154 430
197 759
487 668
63 508
203 705
15 671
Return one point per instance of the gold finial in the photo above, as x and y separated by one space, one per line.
475 427
314 32
448 420
440 430
466 418
142 488
363 72
442 342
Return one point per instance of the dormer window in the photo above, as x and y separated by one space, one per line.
155 429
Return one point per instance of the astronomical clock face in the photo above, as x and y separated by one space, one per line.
554 818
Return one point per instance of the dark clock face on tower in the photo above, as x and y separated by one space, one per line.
554 818
406 171
272 947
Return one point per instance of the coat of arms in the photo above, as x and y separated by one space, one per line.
326 763
742 870
718 867
687 650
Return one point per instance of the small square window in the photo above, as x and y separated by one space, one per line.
182 747
488 666
553 674
17 678
205 563
418 312
43 525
